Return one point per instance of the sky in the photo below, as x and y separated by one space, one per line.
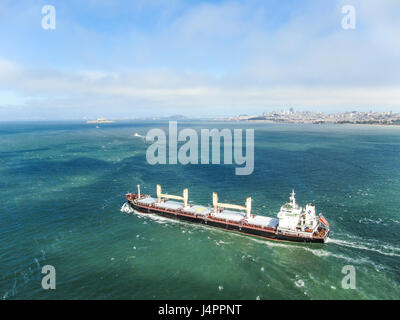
124 59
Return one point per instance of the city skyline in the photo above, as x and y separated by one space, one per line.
196 58
348 117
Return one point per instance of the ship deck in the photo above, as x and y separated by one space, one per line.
226 215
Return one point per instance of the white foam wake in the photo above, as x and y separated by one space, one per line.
368 246
127 208
159 219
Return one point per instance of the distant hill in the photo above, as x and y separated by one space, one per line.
175 117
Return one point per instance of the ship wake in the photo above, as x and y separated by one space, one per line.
383 249
127 208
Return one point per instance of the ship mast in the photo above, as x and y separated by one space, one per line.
293 199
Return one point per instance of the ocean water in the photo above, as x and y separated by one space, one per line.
62 186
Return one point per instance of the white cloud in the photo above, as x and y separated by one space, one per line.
214 58
188 93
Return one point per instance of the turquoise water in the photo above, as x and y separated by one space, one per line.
62 186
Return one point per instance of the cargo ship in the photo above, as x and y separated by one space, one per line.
293 223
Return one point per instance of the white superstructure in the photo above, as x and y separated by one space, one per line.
294 218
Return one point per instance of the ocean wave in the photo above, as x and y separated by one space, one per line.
368 246
321 252
219 242
357 261
299 283
369 220
154 217
318 252
269 243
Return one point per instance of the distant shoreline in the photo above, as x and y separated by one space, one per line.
313 123
120 121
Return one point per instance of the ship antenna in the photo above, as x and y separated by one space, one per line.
138 190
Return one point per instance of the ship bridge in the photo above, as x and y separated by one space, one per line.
293 217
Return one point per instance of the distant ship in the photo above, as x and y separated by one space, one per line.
293 222
144 138
100 120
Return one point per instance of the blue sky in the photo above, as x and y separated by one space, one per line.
121 59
